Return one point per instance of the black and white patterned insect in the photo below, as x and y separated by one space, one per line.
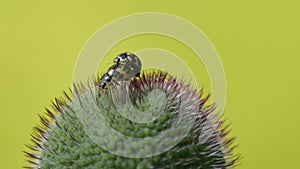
107 78
128 58
127 65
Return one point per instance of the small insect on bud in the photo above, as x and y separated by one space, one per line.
126 66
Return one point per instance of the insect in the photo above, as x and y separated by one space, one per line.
128 58
127 65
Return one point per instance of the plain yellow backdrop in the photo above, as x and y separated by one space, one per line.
257 41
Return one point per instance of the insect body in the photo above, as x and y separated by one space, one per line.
108 77
127 65
129 59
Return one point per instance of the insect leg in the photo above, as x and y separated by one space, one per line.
138 74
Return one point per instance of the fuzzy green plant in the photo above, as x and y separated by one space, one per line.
79 133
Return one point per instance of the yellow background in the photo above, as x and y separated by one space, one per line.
257 41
